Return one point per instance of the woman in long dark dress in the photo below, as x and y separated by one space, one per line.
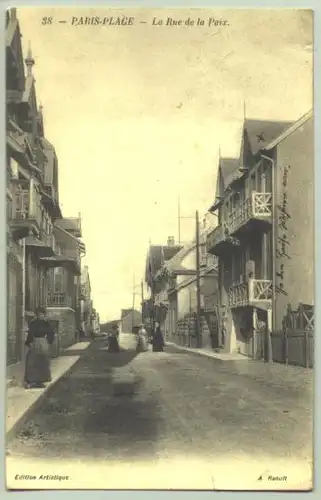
158 341
40 336
113 345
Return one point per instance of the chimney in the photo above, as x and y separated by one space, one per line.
171 241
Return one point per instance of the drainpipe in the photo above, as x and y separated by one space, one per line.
272 162
23 296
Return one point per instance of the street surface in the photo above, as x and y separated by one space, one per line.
166 420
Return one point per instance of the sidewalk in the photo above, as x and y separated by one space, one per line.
274 373
21 402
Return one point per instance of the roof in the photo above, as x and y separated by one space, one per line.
169 252
71 237
70 224
157 255
28 88
262 132
292 128
229 167
10 31
174 264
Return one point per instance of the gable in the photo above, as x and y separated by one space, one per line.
219 184
245 150
259 133
14 53
29 96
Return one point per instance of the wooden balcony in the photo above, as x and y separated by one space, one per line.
254 212
50 200
13 96
220 241
59 299
26 211
255 293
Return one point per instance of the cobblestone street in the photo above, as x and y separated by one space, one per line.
192 416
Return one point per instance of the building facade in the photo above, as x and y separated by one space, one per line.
130 319
64 270
43 248
85 301
176 297
262 232
157 257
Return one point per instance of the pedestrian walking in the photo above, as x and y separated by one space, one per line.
113 345
40 336
141 339
158 340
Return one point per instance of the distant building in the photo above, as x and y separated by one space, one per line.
176 297
63 300
130 319
85 301
157 256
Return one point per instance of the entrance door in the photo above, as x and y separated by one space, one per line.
261 334
213 326
55 348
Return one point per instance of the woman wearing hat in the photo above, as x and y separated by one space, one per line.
141 339
40 336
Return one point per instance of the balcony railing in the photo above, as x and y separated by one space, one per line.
219 235
59 299
215 237
250 293
256 206
27 202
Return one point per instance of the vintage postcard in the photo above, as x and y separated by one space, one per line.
160 248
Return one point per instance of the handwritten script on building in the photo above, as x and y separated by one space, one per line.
283 244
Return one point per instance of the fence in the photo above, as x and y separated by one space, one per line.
186 334
295 344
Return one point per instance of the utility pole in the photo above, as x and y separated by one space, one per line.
198 283
133 308
142 289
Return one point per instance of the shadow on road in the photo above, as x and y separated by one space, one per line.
99 408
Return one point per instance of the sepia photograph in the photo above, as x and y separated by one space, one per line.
160 249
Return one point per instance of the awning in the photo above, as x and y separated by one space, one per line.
16 144
39 246
61 261
31 241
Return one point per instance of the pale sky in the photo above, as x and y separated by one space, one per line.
137 115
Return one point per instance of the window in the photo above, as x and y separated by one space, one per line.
58 279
